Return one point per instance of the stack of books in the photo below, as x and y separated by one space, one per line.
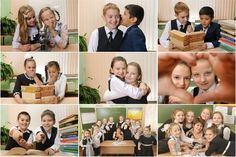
68 128
227 41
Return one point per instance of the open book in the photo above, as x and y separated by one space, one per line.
23 151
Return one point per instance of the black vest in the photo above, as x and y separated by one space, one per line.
11 143
232 134
103 43
49 142
175 27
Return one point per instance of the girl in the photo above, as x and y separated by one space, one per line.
47 136
111 128
223 130
26 36
206 116
108 37
126 129
176 146
119 90
118 135
86 144
217 144
97 138
188 122
54 77
104 128
21 136
58 32
146 141
29 77
204 78
180 77
121 122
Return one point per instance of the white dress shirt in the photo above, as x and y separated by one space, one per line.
30 139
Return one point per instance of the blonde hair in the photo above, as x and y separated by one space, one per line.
209 109
110 6
22 20
45 9
172 125
180 7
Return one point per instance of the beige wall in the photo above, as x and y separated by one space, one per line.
97 67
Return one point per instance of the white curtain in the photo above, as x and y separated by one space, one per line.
150 116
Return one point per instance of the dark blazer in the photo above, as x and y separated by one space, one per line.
134 40
212 35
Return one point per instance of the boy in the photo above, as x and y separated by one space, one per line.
108 37
134 39
211 29
181 23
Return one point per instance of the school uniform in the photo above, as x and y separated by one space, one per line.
33 36
135 138
143 100
104 130
87 145
104 39
212 34
60 86
61 37
119 124
172 25
177 145
51 139
221 146
23 80
197 91
187 127
146 143
27 136
96 143
226 133
127 132
133 40
111 129
118 87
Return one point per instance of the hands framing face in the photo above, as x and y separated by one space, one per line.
223 66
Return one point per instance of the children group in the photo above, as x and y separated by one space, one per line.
110 38
44 138
30 77
185 133
181 23
128 129
27 34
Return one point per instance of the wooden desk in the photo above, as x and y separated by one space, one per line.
162 49
4 153
69 48
66 100
112 147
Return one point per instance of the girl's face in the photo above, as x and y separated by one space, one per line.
112 18
104 121
132 75
53 72
23 122
217 119
30 19
205 115
146 131
198 127
189 117
99 123
111 119
209 135
119 69
203 74
48 18
181 76
87 134
179 117
121 118
175 131
127 121
182 17
47 122
30 68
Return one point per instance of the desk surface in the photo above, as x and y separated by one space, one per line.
110 143
162 49
69 48
66 100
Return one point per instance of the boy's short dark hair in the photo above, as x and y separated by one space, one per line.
207 11
135 11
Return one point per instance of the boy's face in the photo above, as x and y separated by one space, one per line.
182 17
23 122
217 119
205 20
126 20
209 135
47 123
119 69
112 18
203 74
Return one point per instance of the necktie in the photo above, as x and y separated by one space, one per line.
182 28
110 37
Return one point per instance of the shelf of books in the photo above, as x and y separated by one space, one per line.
227 41
68 128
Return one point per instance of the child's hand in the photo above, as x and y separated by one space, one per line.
203 47
22 142
174 100
25 47
17 135
193 152
144 88
34 46
49 151
39 137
